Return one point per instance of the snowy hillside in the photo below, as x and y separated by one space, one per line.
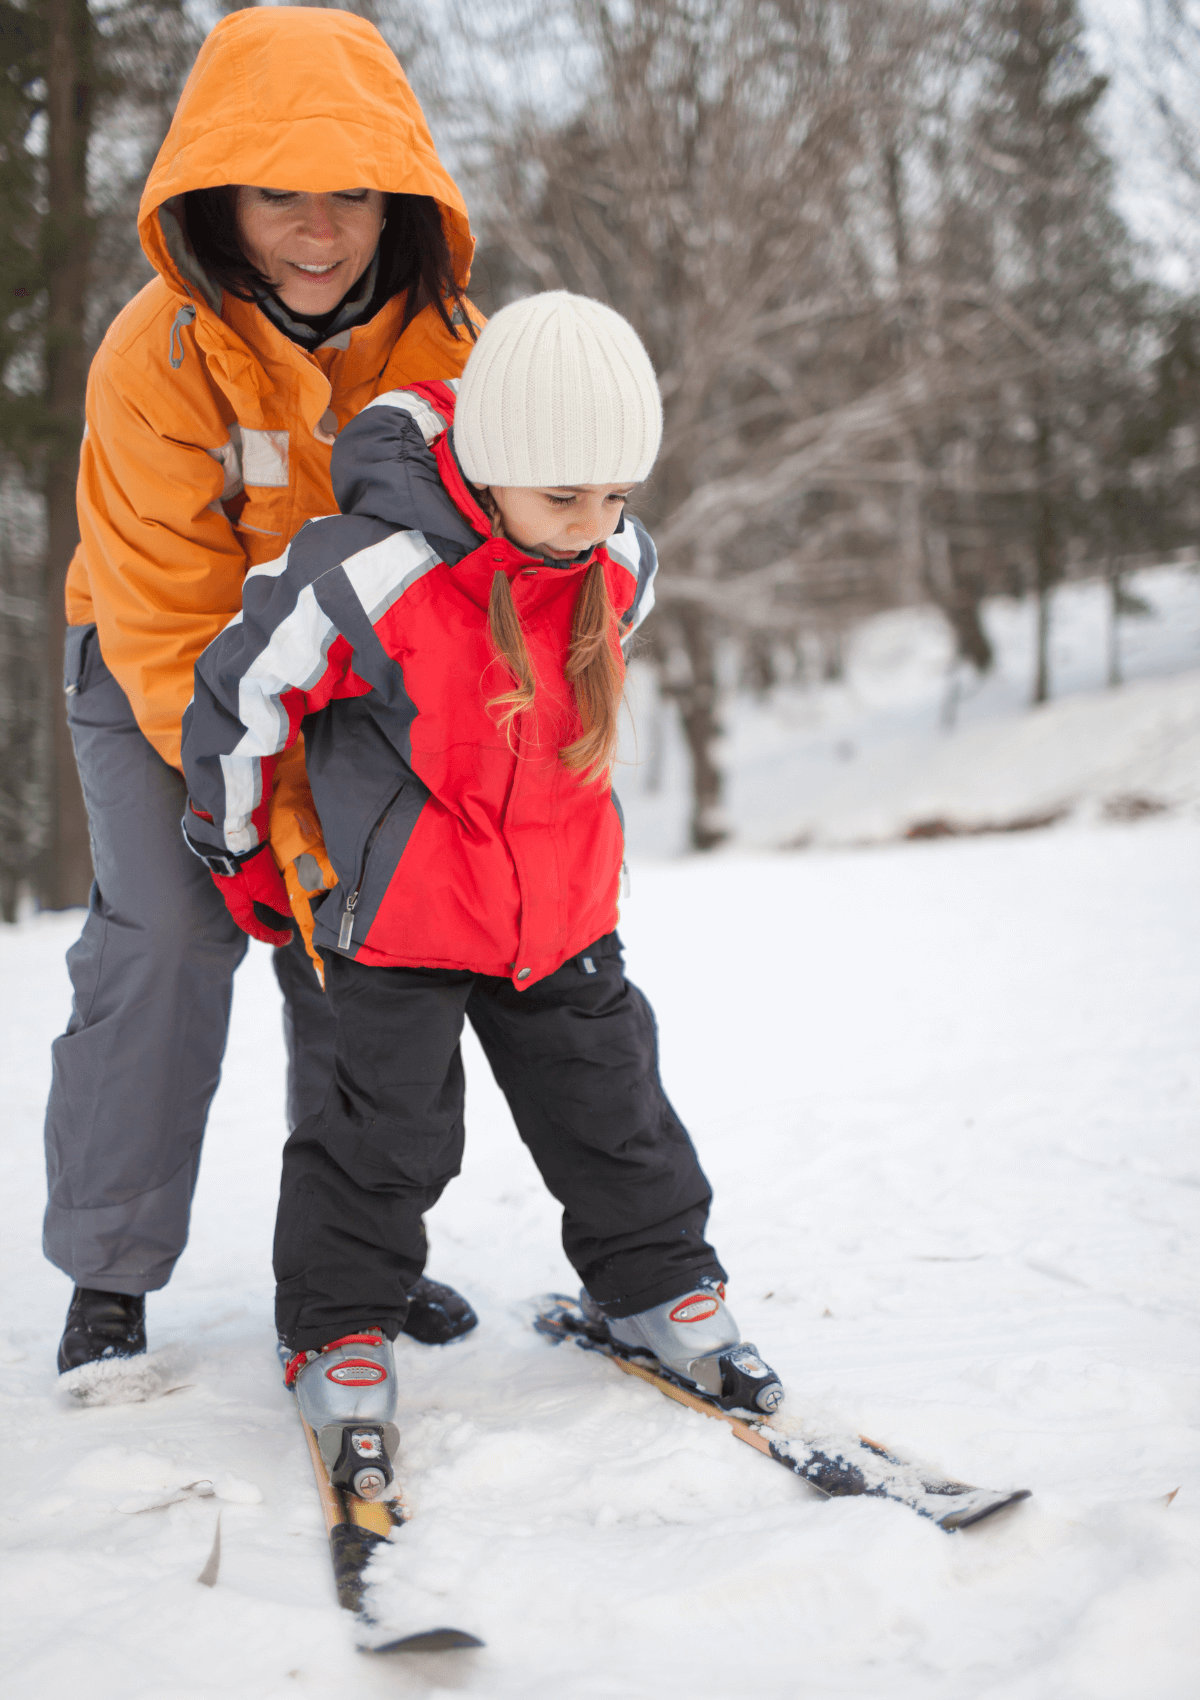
947 1093
870 759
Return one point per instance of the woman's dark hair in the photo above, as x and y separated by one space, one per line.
414 255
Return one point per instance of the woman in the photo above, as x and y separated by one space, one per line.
311 253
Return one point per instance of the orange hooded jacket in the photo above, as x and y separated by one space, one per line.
208 431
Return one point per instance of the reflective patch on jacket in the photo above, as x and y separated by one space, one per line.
251 457
265 458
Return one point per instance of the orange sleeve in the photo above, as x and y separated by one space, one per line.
164 565
295 827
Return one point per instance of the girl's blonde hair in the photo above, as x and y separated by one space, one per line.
594 667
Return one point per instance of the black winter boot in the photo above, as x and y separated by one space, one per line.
437 1314
102 1325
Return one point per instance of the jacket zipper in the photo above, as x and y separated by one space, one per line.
347 928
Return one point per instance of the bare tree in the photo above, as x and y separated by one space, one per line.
1172 41
696 196
1064 261
736 186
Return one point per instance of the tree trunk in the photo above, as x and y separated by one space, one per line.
833 659
1041 678
1045 558
970 636
698 696
1114 624
67 237
958 599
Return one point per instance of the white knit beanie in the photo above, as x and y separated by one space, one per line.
558 390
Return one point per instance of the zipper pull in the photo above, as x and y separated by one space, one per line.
626 887
183 318
347 930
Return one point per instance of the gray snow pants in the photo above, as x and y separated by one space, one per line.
152 974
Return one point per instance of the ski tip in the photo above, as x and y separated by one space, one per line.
425 1641
556 1315
985 1505
553 1304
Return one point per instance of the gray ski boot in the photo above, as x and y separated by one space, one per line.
347 1395
697 1343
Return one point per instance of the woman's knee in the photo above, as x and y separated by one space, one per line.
169 915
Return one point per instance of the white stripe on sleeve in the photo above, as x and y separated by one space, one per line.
270 569
380 574
429 421
625 550
645 604
625 546
296 656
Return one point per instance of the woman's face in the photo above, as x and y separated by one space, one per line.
313 248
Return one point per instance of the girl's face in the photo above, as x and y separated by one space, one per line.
561 522
313 248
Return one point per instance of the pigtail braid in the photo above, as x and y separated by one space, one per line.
596 670
508 641
595 667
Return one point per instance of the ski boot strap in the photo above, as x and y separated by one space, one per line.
298 1360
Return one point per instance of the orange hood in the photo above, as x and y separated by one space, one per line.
293 97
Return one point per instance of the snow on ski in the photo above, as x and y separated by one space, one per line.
836 1465
356 1529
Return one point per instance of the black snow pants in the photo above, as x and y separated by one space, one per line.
577 1058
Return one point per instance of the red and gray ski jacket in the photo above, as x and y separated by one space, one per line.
452 848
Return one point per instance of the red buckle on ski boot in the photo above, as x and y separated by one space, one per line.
298 1360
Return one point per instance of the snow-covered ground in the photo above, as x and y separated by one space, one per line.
948 1096
869 758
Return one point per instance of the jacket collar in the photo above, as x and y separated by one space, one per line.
252 358
457 488
352 310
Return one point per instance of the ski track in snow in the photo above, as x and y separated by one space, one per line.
947 1095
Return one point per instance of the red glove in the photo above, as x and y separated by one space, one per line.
255 894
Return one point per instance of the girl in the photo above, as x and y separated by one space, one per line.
451 647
